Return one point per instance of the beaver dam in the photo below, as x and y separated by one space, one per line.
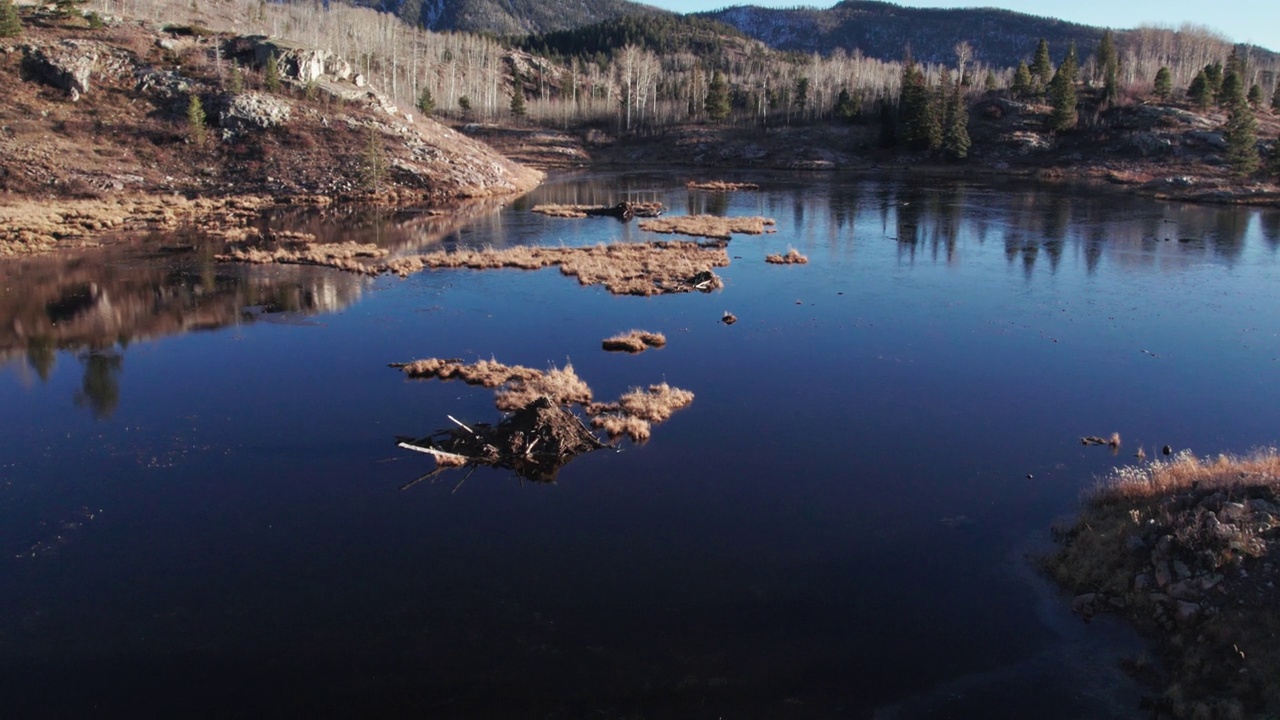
651 268
710 226
1185 548
622 211
543 434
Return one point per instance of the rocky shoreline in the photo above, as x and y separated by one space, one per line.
1184 548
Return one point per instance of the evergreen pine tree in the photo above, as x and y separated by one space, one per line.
990 84
802 94
1255 96
196 120
517 102
1231 89
933 120
956 141
1163 84
1062 94
717 102
1275 101
1042 66
1199 91
271 74
845 108
1021 81
913 106
10 23
1241 135
426 103
235 80
1213 74
1109 65
373 163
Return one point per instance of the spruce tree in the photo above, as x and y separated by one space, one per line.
517 102
802 94
271 74
990 84
845 108
956 141
1255 96
1231 89
196 120
1021 81
1062 94
10 23
1199 91
1163 84
1109 65
373 163
717 102
1275 101
235 80
1213 74
426 103
1241 135
1042 66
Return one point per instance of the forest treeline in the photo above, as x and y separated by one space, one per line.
643 73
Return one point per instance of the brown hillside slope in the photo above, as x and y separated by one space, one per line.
95 134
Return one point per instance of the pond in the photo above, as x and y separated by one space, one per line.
200 510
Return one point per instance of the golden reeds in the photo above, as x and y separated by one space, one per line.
721 186
617 425
791 257
656 403
1184 471
709 226
632 415
634 341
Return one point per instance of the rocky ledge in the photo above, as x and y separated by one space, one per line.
102 129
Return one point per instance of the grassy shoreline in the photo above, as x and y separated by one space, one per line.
1184 548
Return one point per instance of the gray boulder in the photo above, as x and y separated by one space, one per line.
68 64
253 110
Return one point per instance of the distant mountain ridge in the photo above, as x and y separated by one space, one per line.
510 17
883 30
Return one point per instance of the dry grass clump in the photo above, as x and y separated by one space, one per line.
721 186
624 210
343 256
562 211
1184 548
634 341
655 404
622 268
709 226
561 385
791 257
518 387
486 373
1184 471
618 424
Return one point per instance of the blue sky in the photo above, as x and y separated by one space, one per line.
1252 21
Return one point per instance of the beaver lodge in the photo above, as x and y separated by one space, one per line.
652 268
710 226
721 186
543 433
634 341
623 211
1185 548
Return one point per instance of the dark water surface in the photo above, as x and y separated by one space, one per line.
199 513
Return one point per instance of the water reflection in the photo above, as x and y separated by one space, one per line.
95 304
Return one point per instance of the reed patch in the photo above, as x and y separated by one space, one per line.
710 226
634 341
